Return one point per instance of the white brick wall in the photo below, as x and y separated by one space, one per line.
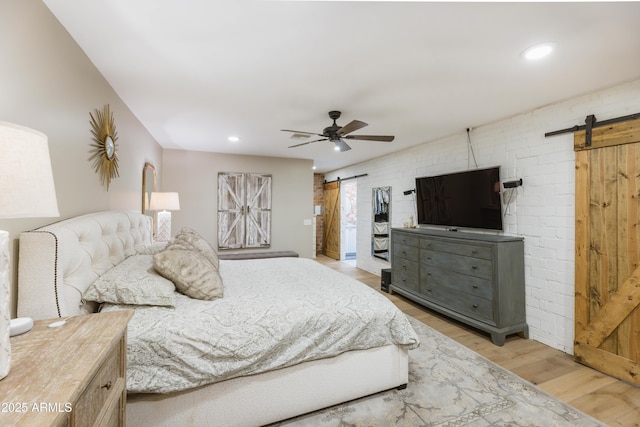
541 211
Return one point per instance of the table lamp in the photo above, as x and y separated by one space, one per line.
163 203
26 190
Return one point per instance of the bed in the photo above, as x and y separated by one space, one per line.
61 263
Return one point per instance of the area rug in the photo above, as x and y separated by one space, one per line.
452 386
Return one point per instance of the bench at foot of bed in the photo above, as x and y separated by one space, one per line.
256 255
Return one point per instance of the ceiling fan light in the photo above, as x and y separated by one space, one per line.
337 148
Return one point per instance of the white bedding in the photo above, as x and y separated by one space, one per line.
275 313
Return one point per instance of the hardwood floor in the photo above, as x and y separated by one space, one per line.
611 401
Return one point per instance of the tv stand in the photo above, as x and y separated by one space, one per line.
477 279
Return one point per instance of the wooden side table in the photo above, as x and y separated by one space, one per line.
72 375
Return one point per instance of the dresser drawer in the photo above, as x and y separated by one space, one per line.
405 239
106 385
405 273
411 253
476 251
460 302
462 264
476 286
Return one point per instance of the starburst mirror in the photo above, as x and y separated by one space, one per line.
104 153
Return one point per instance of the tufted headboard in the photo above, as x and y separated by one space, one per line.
57 263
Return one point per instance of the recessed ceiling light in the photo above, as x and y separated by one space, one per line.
233 139
538 51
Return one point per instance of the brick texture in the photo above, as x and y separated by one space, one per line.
318 200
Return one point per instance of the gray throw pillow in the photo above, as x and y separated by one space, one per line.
192 273
188 237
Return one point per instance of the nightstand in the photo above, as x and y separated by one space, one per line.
72 375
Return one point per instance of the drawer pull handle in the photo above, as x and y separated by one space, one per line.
404 266
429 289
474 267
107 385
475 305
475 286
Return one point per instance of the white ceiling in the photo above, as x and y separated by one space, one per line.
197 71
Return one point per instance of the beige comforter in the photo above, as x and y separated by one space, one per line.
275 313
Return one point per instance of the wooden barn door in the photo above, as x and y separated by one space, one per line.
331 220
607 291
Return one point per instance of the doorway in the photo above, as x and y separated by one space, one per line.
331 220
348 220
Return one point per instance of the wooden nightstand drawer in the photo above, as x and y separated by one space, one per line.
106 386
76 370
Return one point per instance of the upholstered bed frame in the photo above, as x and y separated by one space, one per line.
58 262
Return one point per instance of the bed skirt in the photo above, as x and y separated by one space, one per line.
277 395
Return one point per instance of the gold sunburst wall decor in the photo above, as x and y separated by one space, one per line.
104 153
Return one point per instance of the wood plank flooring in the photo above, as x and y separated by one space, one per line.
611 401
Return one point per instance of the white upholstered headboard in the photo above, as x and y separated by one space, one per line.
57 263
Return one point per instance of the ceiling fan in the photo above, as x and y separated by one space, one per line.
336 134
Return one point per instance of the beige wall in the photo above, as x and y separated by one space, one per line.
48 83
194 175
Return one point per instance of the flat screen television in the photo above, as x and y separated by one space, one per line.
463 199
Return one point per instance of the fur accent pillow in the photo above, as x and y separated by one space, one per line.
192 273
188 237
133 281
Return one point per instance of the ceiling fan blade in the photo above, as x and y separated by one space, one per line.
351 127
300 131
308 142
341 145
382 138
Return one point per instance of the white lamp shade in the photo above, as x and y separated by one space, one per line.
26 178
164 201
26 190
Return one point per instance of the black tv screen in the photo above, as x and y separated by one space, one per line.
463 199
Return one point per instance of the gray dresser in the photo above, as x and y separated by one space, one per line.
477 279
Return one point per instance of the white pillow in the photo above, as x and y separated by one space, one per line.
133 281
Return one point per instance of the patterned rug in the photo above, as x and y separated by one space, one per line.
450 385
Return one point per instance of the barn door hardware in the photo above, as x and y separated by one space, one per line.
345 179
590 123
